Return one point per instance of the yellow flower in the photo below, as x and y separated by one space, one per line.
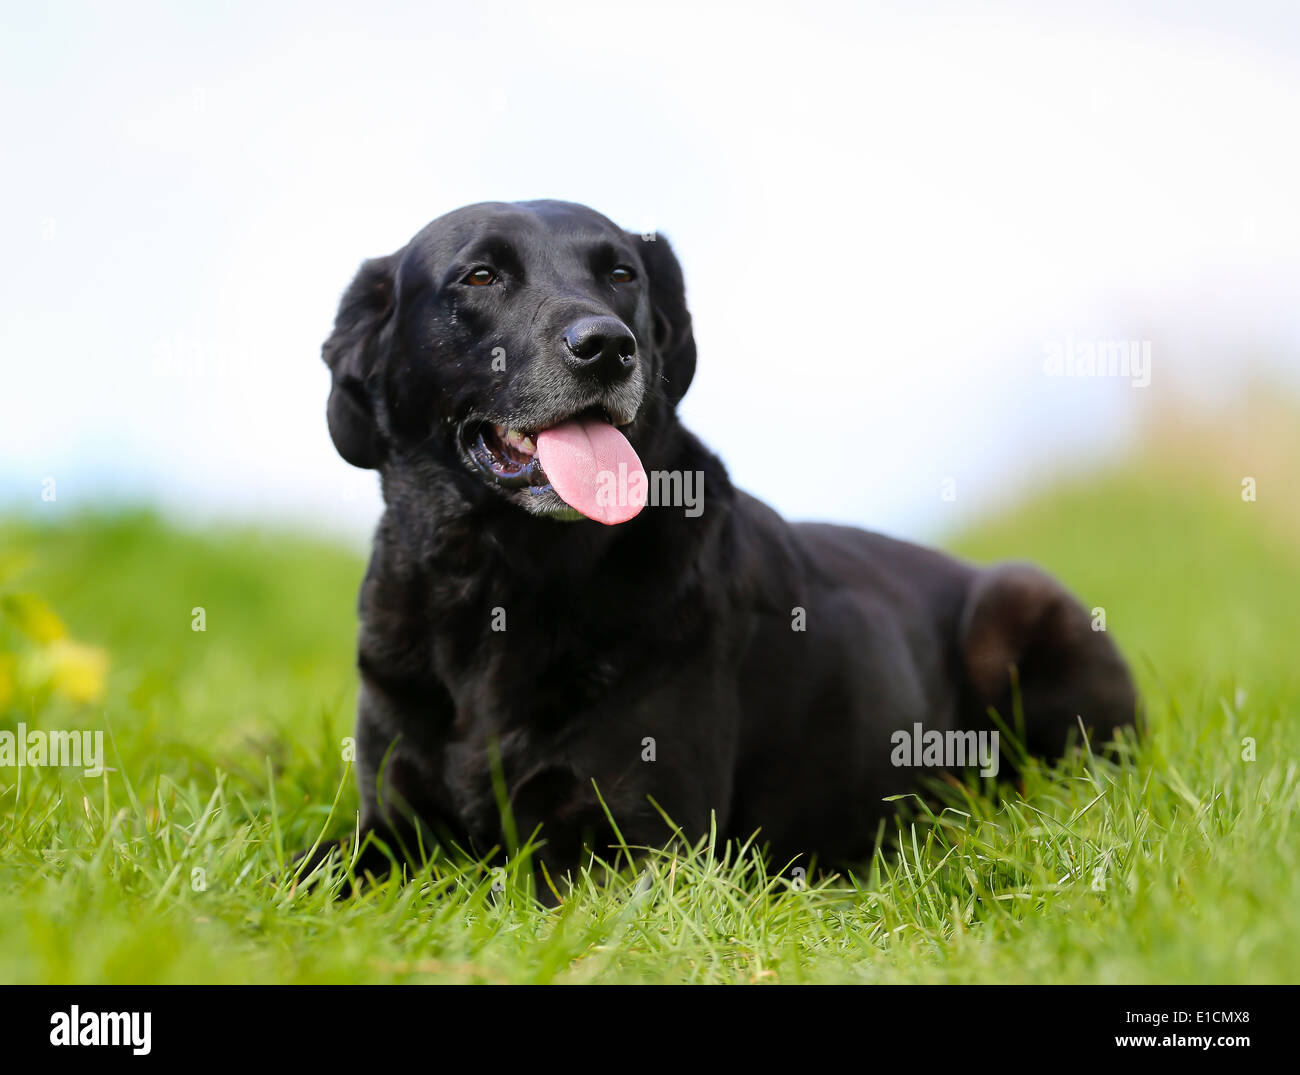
8 675
32 616
77 671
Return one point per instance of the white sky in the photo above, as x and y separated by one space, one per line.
885 214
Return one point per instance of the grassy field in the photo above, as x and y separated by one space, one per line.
1180 863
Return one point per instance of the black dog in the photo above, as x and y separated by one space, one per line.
513 373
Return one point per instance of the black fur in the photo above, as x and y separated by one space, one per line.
668 628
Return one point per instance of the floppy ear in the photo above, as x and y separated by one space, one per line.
349 353
672 320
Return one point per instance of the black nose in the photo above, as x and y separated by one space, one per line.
601 345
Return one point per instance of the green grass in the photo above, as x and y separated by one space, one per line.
1180 863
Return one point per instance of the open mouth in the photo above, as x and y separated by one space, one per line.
507 456
585 461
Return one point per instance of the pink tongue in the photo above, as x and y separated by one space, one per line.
594 469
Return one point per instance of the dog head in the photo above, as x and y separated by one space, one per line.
528 347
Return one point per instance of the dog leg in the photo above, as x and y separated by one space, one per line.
1022 631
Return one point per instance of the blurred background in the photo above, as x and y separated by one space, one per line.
1020 279
895 221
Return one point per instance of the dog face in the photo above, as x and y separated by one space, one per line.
529 348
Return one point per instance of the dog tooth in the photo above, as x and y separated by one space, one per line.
519 442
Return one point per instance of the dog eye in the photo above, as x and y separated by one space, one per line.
480 277
621 274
